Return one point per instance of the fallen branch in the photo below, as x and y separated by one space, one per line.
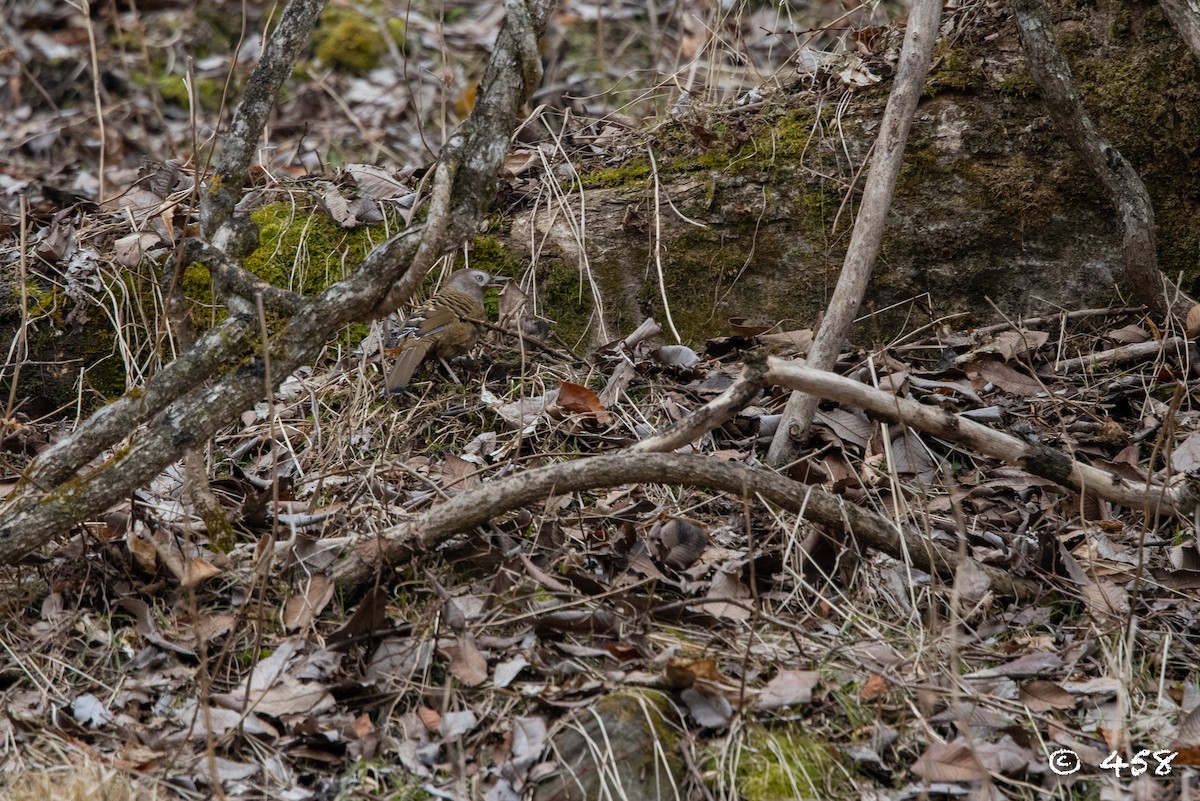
1185 18
477 506
1036 459
709 416
1124 354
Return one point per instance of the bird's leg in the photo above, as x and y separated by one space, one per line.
449 370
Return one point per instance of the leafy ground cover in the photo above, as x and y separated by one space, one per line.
646 640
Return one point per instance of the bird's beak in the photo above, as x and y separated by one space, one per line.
499 280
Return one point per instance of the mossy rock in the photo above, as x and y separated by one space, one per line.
348 41
301 249
75 360
992 211
623 746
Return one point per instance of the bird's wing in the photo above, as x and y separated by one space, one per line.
410 357
429 320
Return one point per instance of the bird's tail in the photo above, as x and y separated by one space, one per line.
406 364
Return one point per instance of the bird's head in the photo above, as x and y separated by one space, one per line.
473 282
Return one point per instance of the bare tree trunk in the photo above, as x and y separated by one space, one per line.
1053 75
888 155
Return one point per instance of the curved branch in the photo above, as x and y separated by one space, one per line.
712 414
480 504
1185 18
233 279
67 457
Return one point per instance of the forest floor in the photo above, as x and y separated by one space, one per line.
660 641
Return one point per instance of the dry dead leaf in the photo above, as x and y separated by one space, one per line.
370 617
849 425
1107 602
336 205
143 550
459 474
1018 342
205 628
216 722
709 711
1033 664
679 543
507 671
1009 379
581 400
129 250
467 662
521 161
1041 695
183 559
1133 333
513 301
287 696
798 341
742 327
377 182
787 688
456 724
949 762
874 687
728 586
675 356
971 582
146 627
430 717
1193 321
300 609
1186 455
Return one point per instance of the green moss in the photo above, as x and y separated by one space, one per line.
788 762
958 70
489 254
632 174
382 780
566 299
710 276
300 249
398 31
197 286
208 91
1016 85
105 370
348 41
304 250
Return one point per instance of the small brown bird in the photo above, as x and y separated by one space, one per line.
442 326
